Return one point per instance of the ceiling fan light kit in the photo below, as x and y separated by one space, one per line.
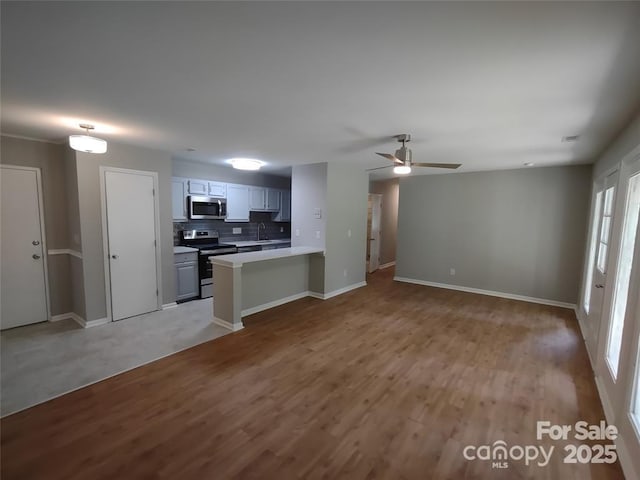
402 169
87 143
403 158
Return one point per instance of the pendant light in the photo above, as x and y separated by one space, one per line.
87 143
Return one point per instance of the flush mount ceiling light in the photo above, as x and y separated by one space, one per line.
86 143
246 163
529 164
402 169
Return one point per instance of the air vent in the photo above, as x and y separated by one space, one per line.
570 138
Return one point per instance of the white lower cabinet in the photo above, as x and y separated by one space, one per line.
187 279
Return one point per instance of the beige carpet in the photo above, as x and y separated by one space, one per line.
45 360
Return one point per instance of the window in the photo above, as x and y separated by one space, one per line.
623 273
593 242
605 229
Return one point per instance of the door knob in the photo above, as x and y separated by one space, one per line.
35 256
35 242
599 285
114 256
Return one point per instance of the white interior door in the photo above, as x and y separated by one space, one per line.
602 222
131 237
374 234
23 292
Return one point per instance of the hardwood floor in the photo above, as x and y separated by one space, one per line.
388 381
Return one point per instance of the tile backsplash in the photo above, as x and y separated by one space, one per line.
225 229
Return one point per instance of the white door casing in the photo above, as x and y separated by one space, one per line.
605 371
130 219
24 294
374 239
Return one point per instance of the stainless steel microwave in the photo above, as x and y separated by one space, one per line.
206 207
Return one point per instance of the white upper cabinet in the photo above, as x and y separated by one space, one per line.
237 203
198 187
179 199
284 214
264 199
217 189
257 198
273 200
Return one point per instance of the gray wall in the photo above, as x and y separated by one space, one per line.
347 189
390 191
49 158
135 158
76 275
308 192
621 146
515 231
189 169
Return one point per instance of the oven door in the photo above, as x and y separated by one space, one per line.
205 269
206 208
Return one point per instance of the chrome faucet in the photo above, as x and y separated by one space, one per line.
264 230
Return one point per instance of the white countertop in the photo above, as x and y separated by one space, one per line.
251 243
237 259
180 249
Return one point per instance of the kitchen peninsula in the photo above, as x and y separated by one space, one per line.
247 283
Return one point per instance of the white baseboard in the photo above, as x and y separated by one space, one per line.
61 316
335 293
491 293
65 251
386 265
89 323
227 325
167 306
624 457
623 452
275 303
78 319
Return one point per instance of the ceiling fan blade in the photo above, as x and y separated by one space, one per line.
388 156
379 168
453 166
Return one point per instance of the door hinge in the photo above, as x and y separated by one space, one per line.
153 190
157 292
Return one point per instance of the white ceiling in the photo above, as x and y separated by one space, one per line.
489 85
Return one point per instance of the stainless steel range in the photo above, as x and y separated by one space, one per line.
206 241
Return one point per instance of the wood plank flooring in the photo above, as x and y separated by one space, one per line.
389 381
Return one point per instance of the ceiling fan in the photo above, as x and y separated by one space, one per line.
402 159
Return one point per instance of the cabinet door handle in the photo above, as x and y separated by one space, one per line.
114 257
599 285
35 242
35 256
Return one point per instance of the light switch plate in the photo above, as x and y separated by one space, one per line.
317 213
237 230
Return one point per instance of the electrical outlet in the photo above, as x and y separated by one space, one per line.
317 213
297 232
317 233
349 233
237 230
452 271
